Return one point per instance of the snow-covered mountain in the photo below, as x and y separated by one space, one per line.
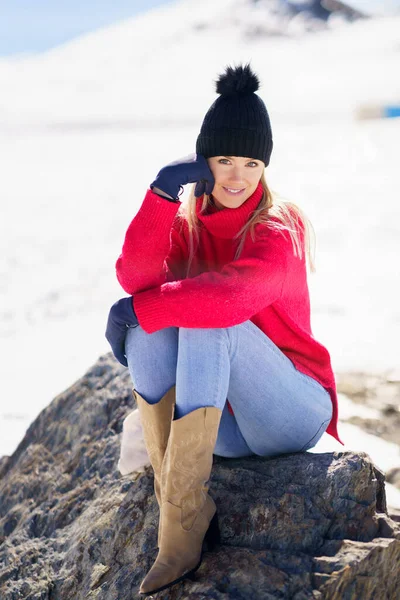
85 127
117 75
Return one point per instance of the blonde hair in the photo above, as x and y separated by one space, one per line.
287 216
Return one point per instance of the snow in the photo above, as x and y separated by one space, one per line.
85 128
375 7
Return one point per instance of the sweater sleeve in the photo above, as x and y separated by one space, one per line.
220 298
175 264
141 264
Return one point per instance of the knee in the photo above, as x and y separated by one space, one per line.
197 335
137 337
149 353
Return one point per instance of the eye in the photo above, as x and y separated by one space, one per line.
223 161
252 164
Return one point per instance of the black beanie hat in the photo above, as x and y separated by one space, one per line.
237 123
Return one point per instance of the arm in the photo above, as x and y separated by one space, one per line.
147 241
140 265
220 299
175 264
159 192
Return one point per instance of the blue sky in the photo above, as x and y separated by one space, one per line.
37 25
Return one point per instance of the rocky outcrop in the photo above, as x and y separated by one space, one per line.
378 392
72 528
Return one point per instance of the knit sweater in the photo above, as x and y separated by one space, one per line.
267 284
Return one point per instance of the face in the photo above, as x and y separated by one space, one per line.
236 178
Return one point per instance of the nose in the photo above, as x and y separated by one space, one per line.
236 173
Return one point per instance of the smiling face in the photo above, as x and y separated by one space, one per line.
236 178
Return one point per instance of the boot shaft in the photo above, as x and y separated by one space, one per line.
188 461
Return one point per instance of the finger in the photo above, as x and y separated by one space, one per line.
121 358
209 187
119 352
199 189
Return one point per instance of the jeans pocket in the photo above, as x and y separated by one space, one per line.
313 441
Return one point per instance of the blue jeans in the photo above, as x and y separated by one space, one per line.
277 408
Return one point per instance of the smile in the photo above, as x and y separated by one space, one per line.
233 190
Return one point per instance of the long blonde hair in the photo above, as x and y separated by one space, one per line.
287 216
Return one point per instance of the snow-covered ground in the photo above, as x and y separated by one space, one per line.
85 128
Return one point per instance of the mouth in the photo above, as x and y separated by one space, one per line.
233 191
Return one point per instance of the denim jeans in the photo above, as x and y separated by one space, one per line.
277 409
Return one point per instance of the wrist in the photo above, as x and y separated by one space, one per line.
163 194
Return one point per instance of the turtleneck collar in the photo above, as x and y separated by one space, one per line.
227 222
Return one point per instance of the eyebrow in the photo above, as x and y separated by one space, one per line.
246 157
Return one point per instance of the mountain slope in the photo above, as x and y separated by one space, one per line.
160 67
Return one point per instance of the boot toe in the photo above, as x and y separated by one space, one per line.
157 577
162 576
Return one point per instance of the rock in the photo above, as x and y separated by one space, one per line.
380 392
394 514
299 526
393 476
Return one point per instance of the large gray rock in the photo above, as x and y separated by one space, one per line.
72 528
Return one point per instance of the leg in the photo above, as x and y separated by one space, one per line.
277 408
289 411
230 441
196 361
188 513
152 365
152 360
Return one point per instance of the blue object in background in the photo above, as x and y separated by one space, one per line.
28 26
391 112
377 111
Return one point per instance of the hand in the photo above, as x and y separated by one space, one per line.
120 318
190 169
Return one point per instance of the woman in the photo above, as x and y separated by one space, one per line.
216 331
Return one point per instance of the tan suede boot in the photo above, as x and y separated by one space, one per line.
156 422
188 512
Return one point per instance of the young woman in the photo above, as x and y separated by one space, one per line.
216 331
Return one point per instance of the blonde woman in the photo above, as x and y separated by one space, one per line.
216 331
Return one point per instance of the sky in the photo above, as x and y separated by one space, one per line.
27 26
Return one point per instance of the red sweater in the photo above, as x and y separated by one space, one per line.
266 285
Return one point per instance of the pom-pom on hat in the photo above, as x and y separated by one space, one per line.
237 123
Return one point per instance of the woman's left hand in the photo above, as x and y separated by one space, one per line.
120 317
189 169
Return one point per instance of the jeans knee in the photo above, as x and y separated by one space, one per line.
196 332
137 337
202 335
152 360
